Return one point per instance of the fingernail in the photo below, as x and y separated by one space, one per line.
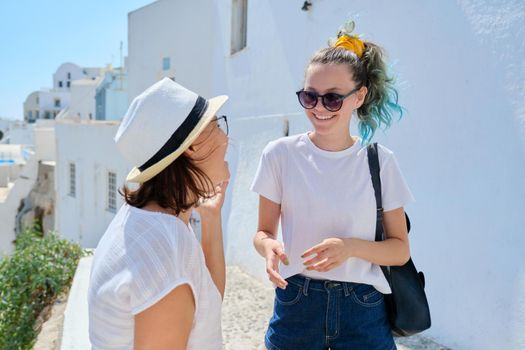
286 262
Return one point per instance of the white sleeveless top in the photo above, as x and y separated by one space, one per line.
328 194
142 257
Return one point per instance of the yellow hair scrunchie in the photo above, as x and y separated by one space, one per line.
351 43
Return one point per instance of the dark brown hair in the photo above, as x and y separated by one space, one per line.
178 187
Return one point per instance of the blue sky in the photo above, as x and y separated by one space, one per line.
37 36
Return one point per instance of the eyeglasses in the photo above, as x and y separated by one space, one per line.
222 122
331 101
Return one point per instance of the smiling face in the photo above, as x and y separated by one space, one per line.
325 78
208 152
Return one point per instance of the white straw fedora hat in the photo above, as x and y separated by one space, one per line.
160 124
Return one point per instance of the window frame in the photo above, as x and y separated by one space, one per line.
72 179
166 67
111 191
239 26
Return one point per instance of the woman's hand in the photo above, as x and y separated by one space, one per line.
330 253
266 243
274 252
211 207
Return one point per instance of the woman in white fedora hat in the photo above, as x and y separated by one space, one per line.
152 285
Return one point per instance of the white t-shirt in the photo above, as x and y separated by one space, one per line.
143 256
327 194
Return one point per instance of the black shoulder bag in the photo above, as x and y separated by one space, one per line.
407 306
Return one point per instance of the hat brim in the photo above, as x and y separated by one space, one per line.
214 104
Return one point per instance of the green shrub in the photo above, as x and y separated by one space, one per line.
38 271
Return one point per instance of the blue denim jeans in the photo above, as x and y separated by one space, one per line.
318 314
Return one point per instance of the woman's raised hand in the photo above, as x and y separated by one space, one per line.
212 206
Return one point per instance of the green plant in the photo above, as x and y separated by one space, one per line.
39 270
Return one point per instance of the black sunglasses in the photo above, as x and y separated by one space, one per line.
222 122
331 101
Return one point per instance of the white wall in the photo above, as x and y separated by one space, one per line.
75 72
247 139
180 30
461 145
21 134
90 146
47 101
115 90
5 174
83 104
94 72
31 104
116 104
44 139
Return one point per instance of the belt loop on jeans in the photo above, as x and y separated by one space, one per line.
305 286
346 289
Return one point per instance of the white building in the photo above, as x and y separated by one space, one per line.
101 98
20 167
12 160
461 144
172 39
45 104
83 104
112 95
27 185
88 175
16 132
48 103
69 72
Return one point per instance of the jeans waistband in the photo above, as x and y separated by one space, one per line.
307 283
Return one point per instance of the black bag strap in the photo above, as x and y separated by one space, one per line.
373 164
